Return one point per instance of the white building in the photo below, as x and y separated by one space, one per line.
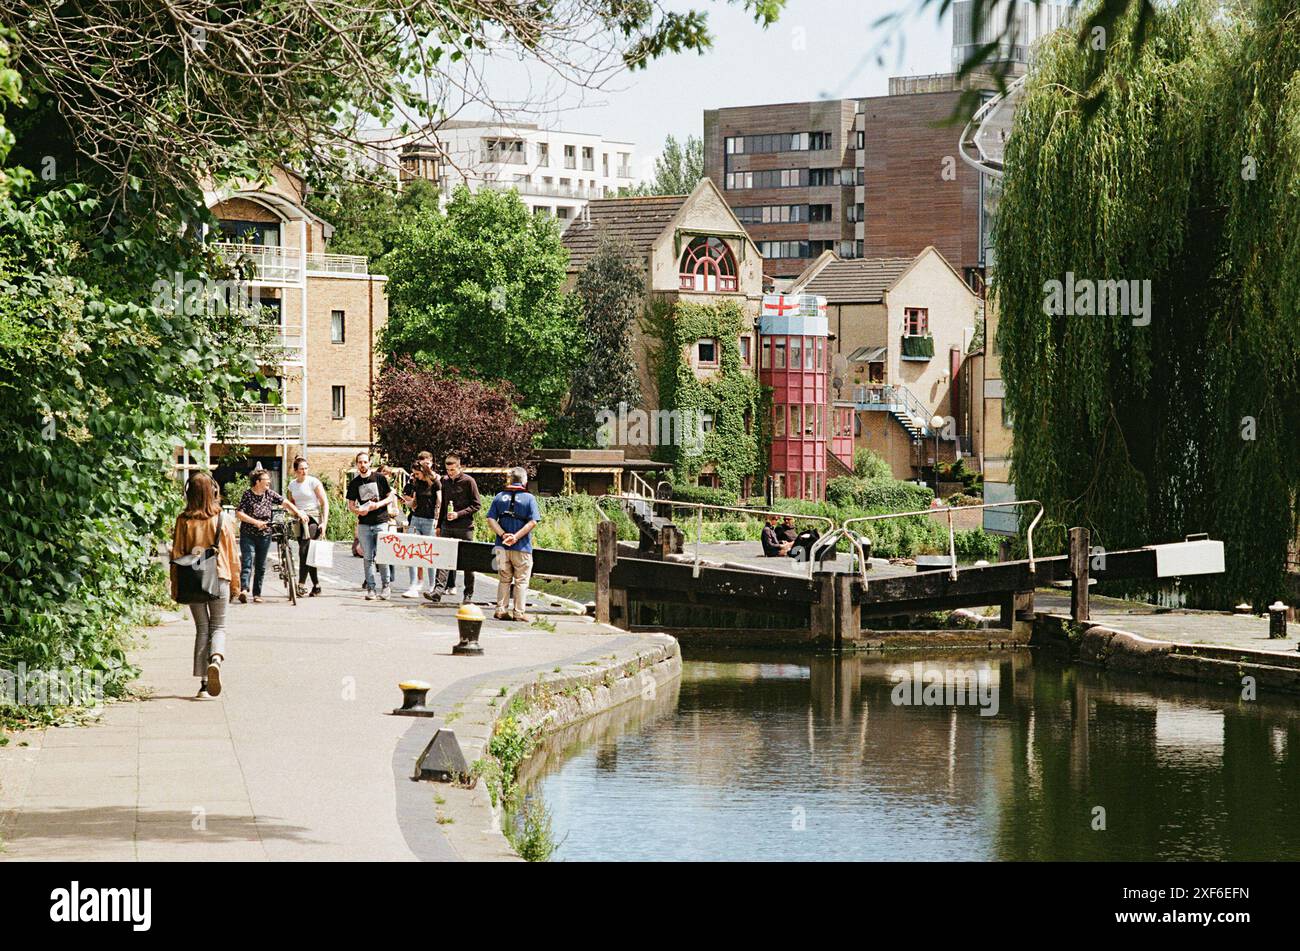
1030 22
556 173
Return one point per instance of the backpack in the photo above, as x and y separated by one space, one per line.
196 573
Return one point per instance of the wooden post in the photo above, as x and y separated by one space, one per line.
606 556
848 616
671 540
1080 551
822 623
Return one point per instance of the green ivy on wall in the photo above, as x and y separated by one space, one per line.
731 393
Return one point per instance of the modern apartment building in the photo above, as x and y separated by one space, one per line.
328 311
878 177
556 173
874 177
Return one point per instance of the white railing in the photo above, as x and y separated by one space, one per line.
271 264
266 422
338 264
544 191
285 345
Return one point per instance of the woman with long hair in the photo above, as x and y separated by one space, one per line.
308 493
196 528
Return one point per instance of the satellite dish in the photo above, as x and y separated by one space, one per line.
840 365
837 381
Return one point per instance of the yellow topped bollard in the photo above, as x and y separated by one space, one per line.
413 694
470 621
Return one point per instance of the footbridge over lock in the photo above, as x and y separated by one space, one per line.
837 596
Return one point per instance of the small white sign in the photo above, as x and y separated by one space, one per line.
417 551
1202 557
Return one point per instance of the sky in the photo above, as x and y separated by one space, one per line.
817 49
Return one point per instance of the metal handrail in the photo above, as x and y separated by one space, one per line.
699 508
895 394
952 539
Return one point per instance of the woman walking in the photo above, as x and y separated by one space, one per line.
202 526
308 494
255 510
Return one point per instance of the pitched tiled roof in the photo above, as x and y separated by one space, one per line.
639 221
861 280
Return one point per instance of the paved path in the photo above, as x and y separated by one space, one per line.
296 760
1238 631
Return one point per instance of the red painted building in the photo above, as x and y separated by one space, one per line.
794 362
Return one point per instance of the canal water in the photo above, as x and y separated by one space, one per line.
938 756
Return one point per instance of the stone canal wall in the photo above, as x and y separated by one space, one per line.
1115 649
540 701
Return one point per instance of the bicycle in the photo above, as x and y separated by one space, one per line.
282 528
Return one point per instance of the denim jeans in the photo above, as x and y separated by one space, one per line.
369 535
421 526
253 548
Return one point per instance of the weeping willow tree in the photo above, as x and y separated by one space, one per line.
1185 173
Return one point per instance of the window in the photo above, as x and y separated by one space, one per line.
778 350
856 213
706 422
767 354
543 154
819 213
588 159
916 321
706 353
808 354
338 402
796 412
746 351
251 232
570 156
604 164
336 326
778 428
810 417
796 343
708 265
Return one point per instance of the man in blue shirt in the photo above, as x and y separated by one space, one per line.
513 515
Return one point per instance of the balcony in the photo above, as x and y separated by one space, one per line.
269 423
270 264
283 346
917 347
501 156
547 191
338 264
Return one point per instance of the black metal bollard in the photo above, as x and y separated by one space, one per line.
1277 621
413 696
470 621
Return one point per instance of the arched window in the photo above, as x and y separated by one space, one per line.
708 265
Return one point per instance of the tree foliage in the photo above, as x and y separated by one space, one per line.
1184 176
478 289
678 168
611 289
441 411
369 211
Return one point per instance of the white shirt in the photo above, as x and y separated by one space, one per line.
303 494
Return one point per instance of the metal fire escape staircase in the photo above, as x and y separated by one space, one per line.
900 403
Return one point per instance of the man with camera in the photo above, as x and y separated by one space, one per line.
513 515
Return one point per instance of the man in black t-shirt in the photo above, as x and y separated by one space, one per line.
422 495
369 496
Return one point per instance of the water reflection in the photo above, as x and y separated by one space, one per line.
760 759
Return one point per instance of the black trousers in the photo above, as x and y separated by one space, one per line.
304 543
445 579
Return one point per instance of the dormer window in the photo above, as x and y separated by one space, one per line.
708 265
